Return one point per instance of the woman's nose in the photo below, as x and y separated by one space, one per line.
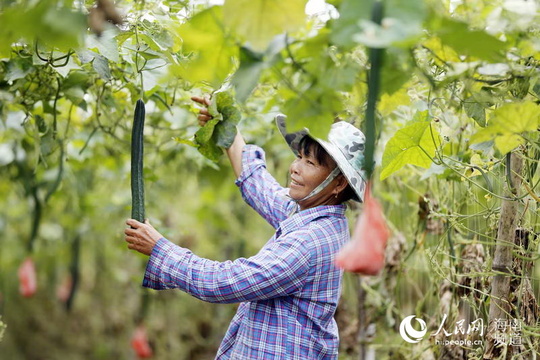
294 167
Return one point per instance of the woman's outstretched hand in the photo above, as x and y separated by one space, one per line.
204 114
235 150
141 237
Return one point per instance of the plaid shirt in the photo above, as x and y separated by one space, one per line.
288 292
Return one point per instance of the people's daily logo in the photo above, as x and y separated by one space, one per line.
409 333
508 332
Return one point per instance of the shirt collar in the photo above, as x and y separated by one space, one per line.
303 217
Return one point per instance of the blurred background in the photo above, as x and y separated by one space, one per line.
459 93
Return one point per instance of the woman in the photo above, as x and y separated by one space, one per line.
289 291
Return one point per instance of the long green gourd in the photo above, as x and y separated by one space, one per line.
137 150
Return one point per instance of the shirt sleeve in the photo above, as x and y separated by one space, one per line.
260 190
279 269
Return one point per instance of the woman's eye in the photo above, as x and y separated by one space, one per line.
310 162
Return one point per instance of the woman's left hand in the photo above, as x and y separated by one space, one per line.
141 237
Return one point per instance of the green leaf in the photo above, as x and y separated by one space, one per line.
314 109
468 42
415 144
507 125
225 130
247 76
221 130
18 69
388 103
55 26
258 21
224 134
475 111
350 14
211 51
106 44
101 65
204 134
395 72
402 23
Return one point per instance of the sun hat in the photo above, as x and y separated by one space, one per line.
345 144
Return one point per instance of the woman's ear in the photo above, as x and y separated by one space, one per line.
341 184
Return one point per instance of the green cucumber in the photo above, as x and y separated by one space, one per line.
137 150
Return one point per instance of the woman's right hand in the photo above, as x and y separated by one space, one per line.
234 152
204 114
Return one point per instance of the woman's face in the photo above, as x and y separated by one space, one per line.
306 173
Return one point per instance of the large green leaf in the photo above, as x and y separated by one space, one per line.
402 23
54 26
258 21
221 130
415 144
508 123
247 76
476 43
211 51
314 109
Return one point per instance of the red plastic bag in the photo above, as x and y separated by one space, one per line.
139 343
27 278
364 254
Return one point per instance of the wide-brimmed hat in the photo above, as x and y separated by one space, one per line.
345 144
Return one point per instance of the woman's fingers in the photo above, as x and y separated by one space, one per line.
134 223
129 231
201 100
204 114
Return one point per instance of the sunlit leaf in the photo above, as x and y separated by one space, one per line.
508 123
388 103
476 111
415 144
476 43
54 26
441 53
314 109
106 44
402 23
258 21
211 50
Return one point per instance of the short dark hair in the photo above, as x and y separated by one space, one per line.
308 145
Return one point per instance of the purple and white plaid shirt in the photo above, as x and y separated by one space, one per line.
288 292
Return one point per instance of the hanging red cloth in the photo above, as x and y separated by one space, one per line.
27 278
364 254
139 343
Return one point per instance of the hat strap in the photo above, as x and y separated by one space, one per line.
322 185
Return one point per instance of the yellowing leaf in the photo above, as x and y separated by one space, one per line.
478 163
212 50
441 51
389 103
508 123
517 117
415 144
258 21
475 43
508 142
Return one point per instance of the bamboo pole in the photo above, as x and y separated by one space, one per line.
499 307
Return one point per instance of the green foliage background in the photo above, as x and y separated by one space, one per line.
460 90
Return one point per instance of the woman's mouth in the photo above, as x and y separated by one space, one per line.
295 183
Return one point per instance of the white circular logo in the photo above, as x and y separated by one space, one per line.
410 334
